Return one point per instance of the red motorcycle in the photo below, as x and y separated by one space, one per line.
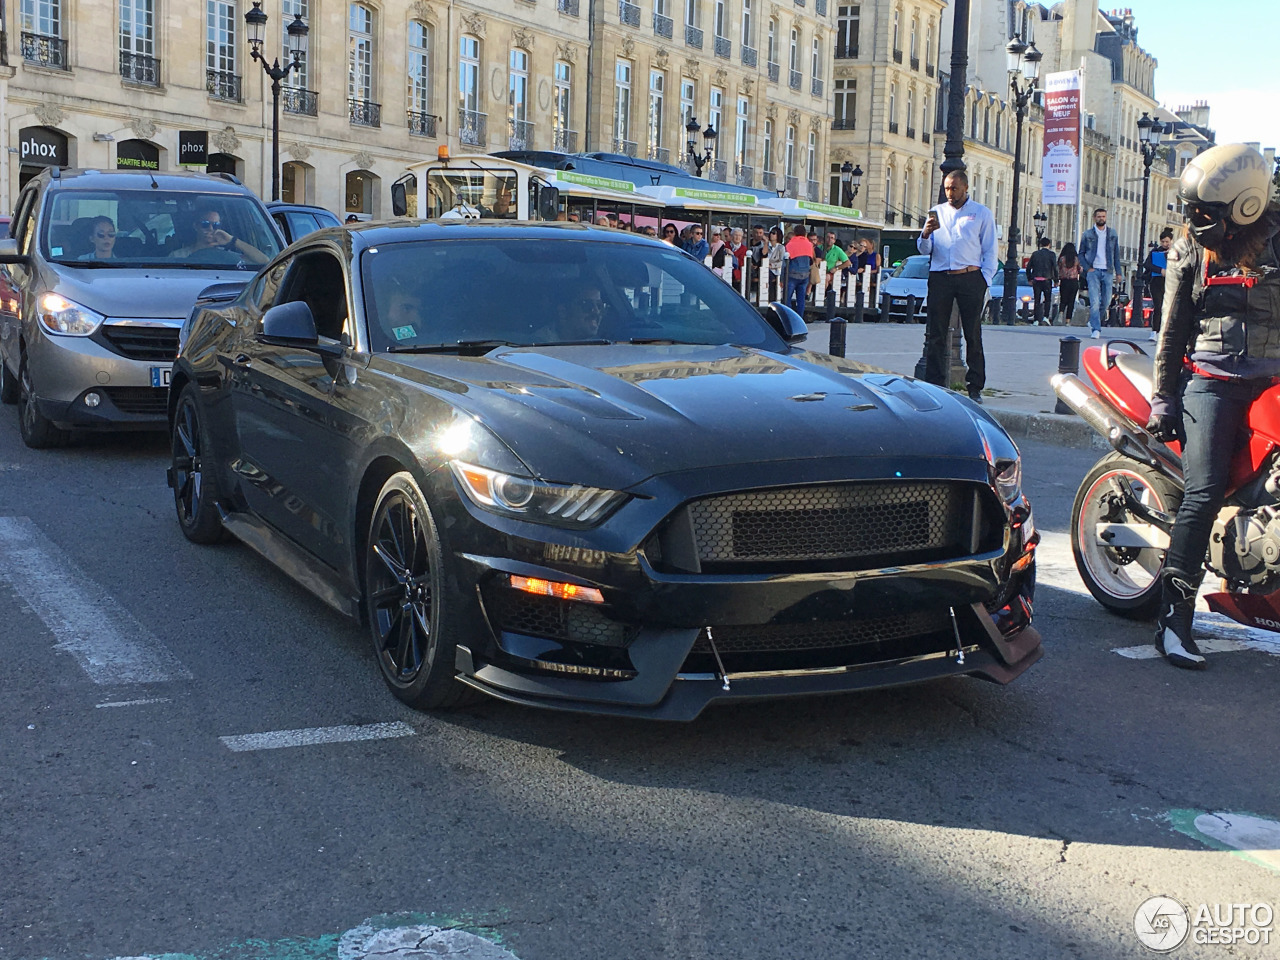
1125 507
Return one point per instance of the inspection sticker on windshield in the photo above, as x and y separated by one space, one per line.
160 376
404 333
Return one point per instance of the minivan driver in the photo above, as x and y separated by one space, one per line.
209 235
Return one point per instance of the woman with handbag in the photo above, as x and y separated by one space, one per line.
1068 281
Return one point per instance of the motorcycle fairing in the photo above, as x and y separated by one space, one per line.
1253 610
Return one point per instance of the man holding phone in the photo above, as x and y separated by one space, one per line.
960 239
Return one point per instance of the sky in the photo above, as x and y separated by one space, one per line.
1217 50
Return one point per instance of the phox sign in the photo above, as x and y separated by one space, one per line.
42 147
193 147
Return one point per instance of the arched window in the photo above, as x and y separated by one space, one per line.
361 193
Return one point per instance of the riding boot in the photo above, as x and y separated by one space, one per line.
1173 626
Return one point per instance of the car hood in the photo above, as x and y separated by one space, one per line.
903 286
613 416
113 292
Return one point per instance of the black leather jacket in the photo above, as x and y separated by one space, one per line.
1232 330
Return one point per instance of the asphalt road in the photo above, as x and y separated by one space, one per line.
951 819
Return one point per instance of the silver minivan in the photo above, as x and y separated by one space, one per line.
102 269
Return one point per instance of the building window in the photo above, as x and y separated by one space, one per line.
420 46
789 158
716 118
817 59
690 13
563 107
220 36
722 19
848 19
747 24
740 133
811 158
846 104
924 115
912 51
622 101
773 41
767 153
657 88
911 107
897 43
43 17
469 74
973 121
137 41
518 100
986 125
290 9
360 53
928 47
688 93
893 104
888 190
794 61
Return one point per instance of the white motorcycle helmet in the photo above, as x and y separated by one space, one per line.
1225 188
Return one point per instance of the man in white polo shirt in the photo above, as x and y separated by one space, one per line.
960 239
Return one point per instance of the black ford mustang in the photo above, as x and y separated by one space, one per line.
572 468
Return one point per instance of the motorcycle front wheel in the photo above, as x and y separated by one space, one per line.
1125 580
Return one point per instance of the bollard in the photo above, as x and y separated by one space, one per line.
911 308
833 298
1068 362
858 305
839 327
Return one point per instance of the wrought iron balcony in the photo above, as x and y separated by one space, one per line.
629 13
911 132
44 51
744 176
222 85
792 188
890 216
915 63
794 80
568 6
769 180
893 126
723 47
566 141
471 127
663 26
692 37
897 56
421 124
813 190
774 71
297 100
846 50
521 137
843 123
815 86
748 56
625 147
139 68
660 154
718 171
364 113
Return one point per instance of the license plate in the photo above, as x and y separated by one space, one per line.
160 376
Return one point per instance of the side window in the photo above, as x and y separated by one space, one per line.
21 230
300 224
316 278
267 285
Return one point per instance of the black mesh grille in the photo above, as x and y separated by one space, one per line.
518 612
142 343
148 401
904 520
821 634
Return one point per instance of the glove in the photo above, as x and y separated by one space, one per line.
1166 427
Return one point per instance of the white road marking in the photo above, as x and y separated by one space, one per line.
1258 838
132 703
416 942
106 640
1214 633
313 735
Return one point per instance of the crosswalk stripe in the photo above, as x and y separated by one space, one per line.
106 640
314 735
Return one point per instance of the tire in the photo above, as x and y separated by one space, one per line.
9 387
1124 580
411 600
195 487
38 432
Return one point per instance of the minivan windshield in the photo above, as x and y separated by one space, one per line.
437 294
158 228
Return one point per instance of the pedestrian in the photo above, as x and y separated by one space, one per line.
1042 268
1068 281
960 238
351 218
777 258
1154 267
717 250
738 248
837 262
759 253
670 234
1222 320
696 246
800 257
1099 251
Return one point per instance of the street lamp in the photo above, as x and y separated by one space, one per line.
1149 133
709 141
1024 64
256 23
1042 221
850 181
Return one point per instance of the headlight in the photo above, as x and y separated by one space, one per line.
564 504
1008 479
66 319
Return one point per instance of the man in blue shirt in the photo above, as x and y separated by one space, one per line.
1099 254
697 247
960 239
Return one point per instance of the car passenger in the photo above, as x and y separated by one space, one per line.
403 318
102 234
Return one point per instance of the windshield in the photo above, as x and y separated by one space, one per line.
1022 279
471 193
128 228
913 268
538 291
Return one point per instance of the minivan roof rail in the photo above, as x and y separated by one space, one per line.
230 176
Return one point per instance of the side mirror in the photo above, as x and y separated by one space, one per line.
547 202
789 324
399 199
9 252
292 325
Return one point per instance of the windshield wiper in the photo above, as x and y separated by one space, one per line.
652 340
458 346
573 343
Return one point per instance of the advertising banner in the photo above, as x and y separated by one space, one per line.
1062 138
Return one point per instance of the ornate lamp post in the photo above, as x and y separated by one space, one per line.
709 142
1024 64
256 22
850 181
1042 220
1149 133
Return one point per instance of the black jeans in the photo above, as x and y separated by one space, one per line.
1212 414
1067 291
1043 290
1156 285
969 292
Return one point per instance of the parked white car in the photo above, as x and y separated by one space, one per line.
910 278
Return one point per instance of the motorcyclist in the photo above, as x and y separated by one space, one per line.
1219 347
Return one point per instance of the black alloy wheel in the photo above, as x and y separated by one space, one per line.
38 432
408 602
195 492
9 388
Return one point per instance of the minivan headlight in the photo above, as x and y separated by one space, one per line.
63 317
